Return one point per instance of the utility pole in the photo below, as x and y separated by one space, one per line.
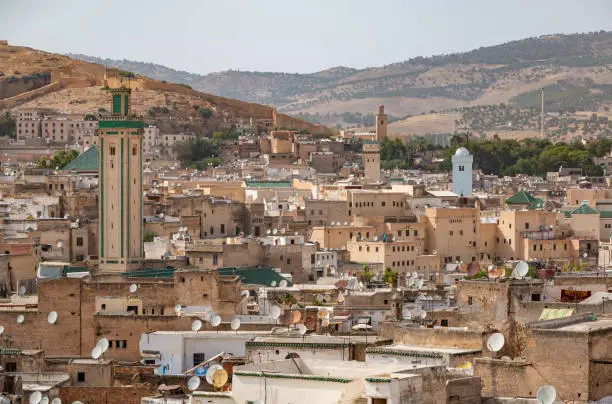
542 117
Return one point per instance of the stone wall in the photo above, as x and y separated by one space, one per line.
104 395
464 390
433 337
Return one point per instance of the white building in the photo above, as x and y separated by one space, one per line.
462 172
177 351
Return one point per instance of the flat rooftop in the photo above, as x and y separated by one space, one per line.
318 339
588 326
424 349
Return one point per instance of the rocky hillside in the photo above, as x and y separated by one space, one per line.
34 78
575 66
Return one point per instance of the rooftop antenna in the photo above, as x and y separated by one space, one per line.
20 319
193 383
35 397
133 288
235 324
273 284
1 329
96 352
547 395
56 400
103 343
211 371
44 400
196 325
521 269
275 312
283 283
215 321
219 378
495 342
542 117
52 317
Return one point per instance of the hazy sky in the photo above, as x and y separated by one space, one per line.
203 36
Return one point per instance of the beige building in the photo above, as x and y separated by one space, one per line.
371 162
120 187
452 233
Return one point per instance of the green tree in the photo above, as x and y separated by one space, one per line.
365 275
8 126
195 150
59 160
390 277
149 236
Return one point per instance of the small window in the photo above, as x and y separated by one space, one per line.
81 377
79 241
112 150
134 151
124 344
470 300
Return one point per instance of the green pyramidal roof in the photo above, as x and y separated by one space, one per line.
525 198
584 209
85 162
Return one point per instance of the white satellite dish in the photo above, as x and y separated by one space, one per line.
196 325
375 238
585 255
268 231
283 230
244 294
283 283
178 308
96 352
275 312
273 284
235 324
1 329
44 400
133 288
52 317
193 383
346 223
56 400
20 319
103 344
22 290
35 397
215 321
59 244
353 283
302 329
495 342
547 395
415 274
275 232
521 268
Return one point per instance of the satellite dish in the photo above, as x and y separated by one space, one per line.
345 223
215 321
585 255
275 312
56 400
133 288
415 274
1 329
495 342
268 231
44 400
547 395
235 324
353 283
244 294
422 314
193 383
104 344
273 284
59 244
521 268
219 378
283 283
196 325
275 231
178 308
375 238
96 352
22 290
340 298
283 230
52 317
20 319
302 329
35 397
211 371
296 316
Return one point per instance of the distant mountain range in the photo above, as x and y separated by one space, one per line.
504 73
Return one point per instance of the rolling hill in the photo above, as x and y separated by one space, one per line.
31 78
577 64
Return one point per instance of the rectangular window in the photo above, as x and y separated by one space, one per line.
81 377
215 259
198 358
222 228
79 241
124 344
116 103
113 150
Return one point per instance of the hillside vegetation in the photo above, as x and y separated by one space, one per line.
575 68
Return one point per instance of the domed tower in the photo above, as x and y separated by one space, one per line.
462 172
120 186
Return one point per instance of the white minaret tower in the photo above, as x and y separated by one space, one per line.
462 172
120 187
